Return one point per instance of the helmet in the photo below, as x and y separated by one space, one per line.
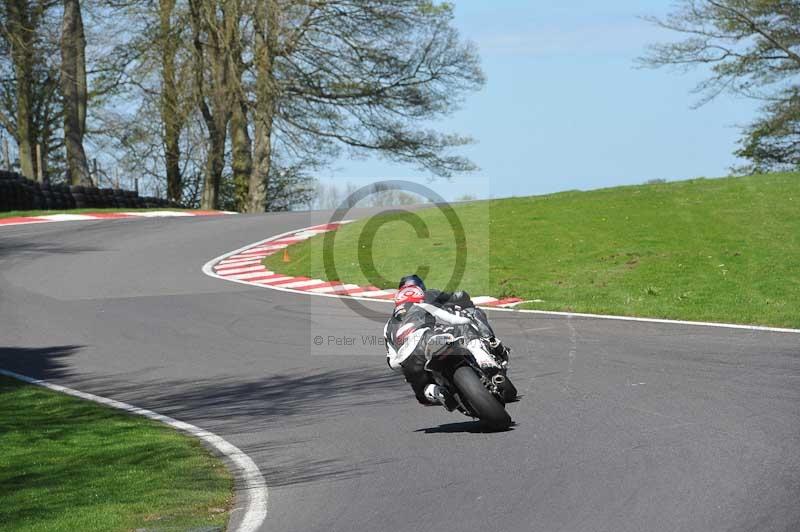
410 280
409 294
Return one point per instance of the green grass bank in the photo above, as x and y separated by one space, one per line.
724 250
69 464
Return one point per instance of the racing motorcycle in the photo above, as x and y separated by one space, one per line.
471 365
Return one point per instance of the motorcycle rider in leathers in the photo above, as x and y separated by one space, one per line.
411 322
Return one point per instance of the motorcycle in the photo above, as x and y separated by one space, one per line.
468 362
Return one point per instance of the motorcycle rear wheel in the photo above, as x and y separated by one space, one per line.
483 403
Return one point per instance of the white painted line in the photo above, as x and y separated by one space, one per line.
510 305
482 300
263 282
271 247
308 233
235 265
300 284
334 288
374 293
255 256
240 265
66 217
238 261
159 214
650 320
263 248
246 269
252 487
251 275
26 222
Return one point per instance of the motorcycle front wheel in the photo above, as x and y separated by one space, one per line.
482 402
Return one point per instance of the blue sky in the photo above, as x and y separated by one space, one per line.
565 106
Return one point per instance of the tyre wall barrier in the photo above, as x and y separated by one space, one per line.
20 194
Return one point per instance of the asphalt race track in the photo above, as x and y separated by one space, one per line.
623 426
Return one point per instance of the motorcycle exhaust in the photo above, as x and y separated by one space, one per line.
498 380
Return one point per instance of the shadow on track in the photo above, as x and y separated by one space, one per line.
239 405
20 248
471 427
38 362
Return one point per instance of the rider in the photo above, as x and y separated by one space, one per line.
413 323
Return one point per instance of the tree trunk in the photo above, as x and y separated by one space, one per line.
241 145
242 155
215 162
25 130
217 124
73 91
216 116
171 115
20 27
266 42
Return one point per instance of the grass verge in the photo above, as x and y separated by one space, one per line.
69 464
725 250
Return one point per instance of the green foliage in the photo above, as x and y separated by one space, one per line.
706 249
749 48
772 141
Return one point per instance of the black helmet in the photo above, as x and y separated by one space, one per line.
409 280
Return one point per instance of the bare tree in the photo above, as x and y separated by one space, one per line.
170 100
360 75
241 143
74 91
278 88
213 28
28 99
752 49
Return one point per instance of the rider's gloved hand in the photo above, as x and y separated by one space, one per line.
461 298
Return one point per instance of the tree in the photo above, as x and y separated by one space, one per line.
364 75
212 30
74 91
752 49
773 141
170 100
386 196
28 81
241 143
144 115
249 95
289 188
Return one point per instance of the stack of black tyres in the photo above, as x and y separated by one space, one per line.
18 193
78 196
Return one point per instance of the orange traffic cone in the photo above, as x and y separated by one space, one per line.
286 255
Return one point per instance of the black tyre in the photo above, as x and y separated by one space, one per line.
483 403
509 391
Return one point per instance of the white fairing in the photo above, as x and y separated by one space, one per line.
398 356
444 316
484 359
392 355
